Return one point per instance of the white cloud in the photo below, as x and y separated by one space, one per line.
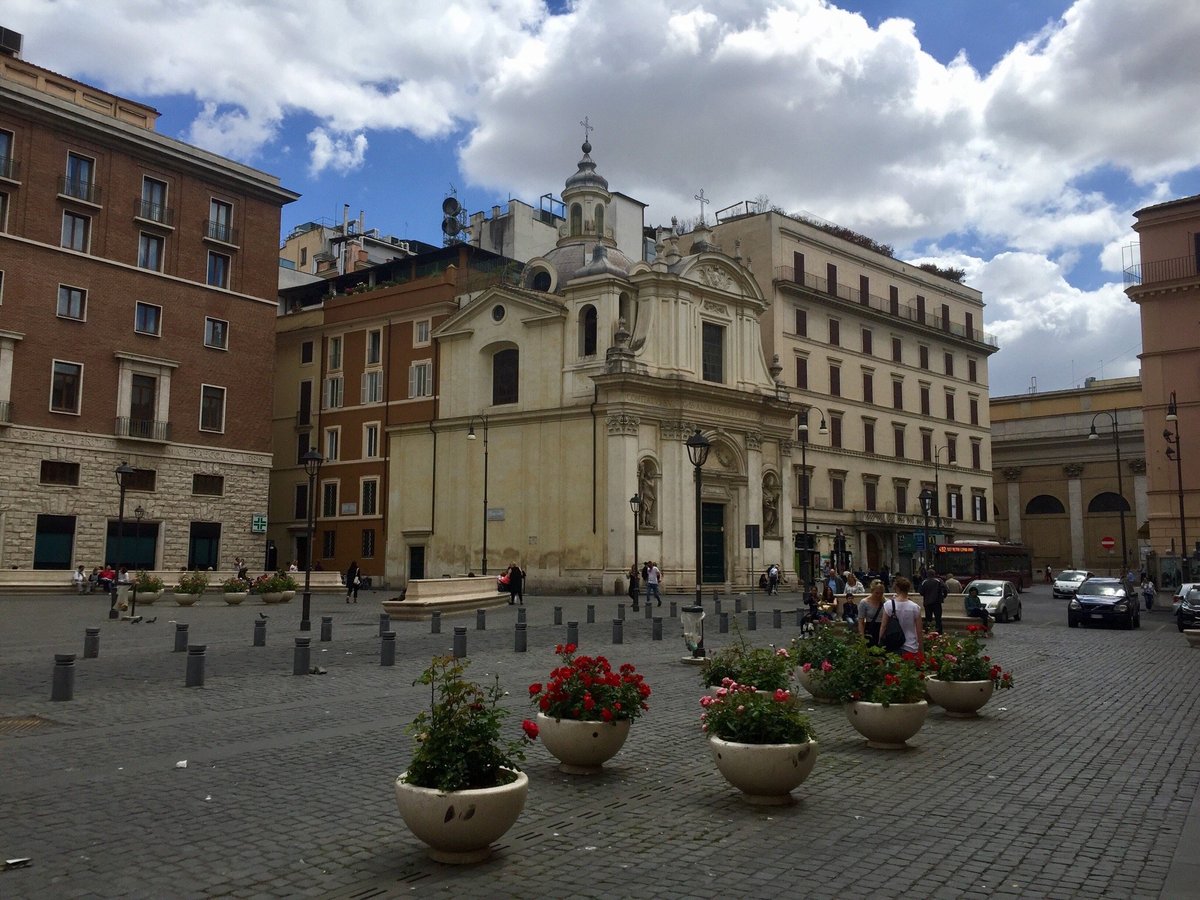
338 152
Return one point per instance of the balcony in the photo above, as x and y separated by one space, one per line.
883 305
1161 270
222 232
5 412
143 429
156 213
75 189
10 169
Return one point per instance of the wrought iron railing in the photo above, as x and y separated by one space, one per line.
220 231
1162 270
153 212
9 168
87 191
143 429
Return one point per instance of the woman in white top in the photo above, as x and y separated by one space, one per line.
853 585
907 613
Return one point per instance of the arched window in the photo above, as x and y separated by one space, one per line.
1108 502
1044 505
599 220
587 331
576 219
505 376
540 281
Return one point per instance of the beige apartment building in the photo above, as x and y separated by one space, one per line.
894 361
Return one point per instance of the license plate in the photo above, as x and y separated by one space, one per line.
1097 615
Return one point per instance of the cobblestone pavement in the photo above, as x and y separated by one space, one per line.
1081 782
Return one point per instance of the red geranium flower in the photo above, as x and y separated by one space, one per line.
606 715
531 729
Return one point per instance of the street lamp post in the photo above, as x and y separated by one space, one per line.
471 437
697 448
138 513
123 471
312 465
926 498
635 504
1093 435
1175 452
806 551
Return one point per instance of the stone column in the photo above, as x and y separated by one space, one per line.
621 478
1013 476
753 513
1073 471
676 506
787 495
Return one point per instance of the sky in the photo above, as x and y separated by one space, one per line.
1010 138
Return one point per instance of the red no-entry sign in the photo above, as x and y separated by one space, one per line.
1107 543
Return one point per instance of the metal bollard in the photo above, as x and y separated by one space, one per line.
300 657
327 628
591 614
91 643
520 614
573 633
618 631
260 633
716 604
621 611
656 628
460 641
520 637
723 623
674 611
435 622
737 604
751 620
385 623
181 643
62 686
387 648
777 618
649 611
558 615
481 620
194 675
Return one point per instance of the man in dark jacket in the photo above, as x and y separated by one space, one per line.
933 592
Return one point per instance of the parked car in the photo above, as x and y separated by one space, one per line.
1188 613
1103 600
1181 593
1067 582
1001 599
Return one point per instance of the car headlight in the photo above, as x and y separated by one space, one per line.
1121 607
1074 604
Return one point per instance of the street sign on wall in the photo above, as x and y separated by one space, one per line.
1107 542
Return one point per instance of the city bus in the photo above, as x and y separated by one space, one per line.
968 560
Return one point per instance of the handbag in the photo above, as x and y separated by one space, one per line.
893 637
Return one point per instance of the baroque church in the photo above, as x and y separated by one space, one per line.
564 397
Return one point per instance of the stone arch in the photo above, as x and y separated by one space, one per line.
587 330
1044 505
1107 501
576 219
599 219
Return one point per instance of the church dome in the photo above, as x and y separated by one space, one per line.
586 176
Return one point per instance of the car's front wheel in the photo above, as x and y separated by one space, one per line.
1017 617
1072 622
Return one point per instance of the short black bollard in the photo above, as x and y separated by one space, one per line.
300 657
520 637
777 618
737 604
327 628
649 611
674 611
387 648
481 620
62 686
573 633
435 622
558 615
656 628
260 632
181 643
91 643
385 623
723 623
521 614
460 641
618 631
194 674
716 605
591 614
621 611
751 620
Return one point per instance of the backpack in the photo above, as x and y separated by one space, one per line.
893 637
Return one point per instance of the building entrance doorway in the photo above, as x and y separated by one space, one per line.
712 539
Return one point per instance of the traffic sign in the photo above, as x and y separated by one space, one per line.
1107 543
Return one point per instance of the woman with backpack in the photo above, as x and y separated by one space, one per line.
906 614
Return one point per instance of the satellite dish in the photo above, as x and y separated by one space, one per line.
450 207
451 226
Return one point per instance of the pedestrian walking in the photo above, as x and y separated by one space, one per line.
352 581
634 586
653 579
906 612
1149 593
516 584
933 592
870 613
772 579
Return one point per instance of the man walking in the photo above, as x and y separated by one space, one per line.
653 577
933 592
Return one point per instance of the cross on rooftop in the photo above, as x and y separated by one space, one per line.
704 201
587 128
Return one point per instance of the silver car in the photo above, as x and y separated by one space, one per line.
1067 582
1001 599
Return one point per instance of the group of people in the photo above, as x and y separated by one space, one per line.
512 580
651 576
100 579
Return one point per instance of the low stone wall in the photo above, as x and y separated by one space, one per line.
449 596
56 581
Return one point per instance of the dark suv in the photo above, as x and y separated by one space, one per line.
1103 600
1189 610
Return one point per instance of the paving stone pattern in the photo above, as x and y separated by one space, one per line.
1078 783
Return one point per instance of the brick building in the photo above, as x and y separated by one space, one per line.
137 304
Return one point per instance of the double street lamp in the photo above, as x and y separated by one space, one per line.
802 434
1093 435
635 504
123 471
1174 451
471 437
697 448
312 465
927 498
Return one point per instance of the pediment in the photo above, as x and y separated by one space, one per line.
718 272
524 306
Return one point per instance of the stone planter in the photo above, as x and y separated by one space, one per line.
813 686
887 727
233 598
185 599
766 774
960 699
272 597
582 748
146 598
459 827
287 596
1193 636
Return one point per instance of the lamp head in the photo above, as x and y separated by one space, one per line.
312 461
471 432
123 471
697 448
1092 434
824 429
139 512
635 502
